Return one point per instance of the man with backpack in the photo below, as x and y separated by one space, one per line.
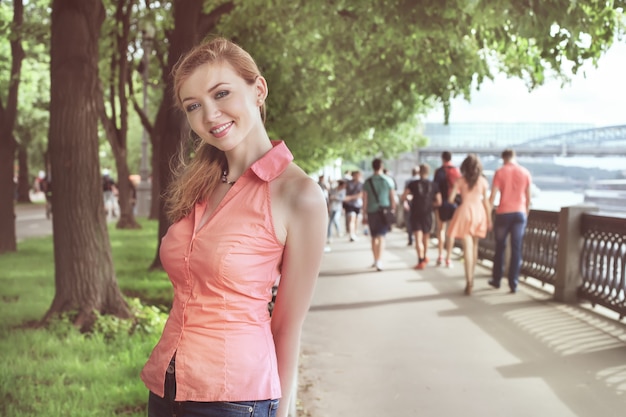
445 177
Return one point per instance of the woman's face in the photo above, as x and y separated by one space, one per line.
221 107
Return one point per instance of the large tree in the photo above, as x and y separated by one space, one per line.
115 121
84 275
8 144
190 25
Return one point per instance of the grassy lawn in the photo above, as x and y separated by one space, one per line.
57 371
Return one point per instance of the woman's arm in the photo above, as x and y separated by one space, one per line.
487 203
306 223
455 191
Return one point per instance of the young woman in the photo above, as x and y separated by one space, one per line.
472 218
243 216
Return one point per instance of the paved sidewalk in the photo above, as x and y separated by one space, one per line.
30 221
409 343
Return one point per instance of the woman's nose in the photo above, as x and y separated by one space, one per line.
211 112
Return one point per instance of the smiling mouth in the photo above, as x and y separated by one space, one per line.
220 129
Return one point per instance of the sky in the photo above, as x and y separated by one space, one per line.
598 97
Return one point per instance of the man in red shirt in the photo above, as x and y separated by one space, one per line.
513 183
445 177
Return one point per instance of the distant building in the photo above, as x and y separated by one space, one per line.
483 134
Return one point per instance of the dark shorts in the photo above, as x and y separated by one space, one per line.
377 224
352 209
423 223
446 211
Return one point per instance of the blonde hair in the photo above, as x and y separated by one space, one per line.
424 169
196 178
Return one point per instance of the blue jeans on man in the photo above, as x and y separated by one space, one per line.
506 224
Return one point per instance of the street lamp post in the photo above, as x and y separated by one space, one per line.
144 190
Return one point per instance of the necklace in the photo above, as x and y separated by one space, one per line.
225 178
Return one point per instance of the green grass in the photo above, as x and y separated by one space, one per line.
57 371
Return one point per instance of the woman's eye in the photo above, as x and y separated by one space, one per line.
221 94
192 107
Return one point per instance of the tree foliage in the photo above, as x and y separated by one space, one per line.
345 75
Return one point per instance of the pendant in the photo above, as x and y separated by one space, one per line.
225 178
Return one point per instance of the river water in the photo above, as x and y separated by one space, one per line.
551 200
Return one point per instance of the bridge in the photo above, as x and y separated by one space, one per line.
603 141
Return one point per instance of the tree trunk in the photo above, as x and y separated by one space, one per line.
8 239
156 189
23 182
84 275
190 26
8 115
170 122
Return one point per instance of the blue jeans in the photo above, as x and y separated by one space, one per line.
508 224
167 407
333 220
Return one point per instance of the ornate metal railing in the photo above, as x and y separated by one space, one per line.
539 250
603 262
602 258
540 247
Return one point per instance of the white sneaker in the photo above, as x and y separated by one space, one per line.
326 248
378 265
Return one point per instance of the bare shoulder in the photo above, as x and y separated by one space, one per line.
298 204
299 191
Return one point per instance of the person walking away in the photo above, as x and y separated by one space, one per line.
406 204
321 181
353 203
378 192
472 218
335 206
45 186
109 190
445 177
513 183
425 196
242 215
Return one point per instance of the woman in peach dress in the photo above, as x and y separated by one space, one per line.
472 218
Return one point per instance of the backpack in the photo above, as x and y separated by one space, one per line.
443 180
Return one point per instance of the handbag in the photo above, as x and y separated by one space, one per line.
389 216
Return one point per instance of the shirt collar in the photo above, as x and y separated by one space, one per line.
274 162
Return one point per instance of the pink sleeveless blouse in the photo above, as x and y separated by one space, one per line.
219 324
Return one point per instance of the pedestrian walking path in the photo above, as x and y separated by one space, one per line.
403 342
